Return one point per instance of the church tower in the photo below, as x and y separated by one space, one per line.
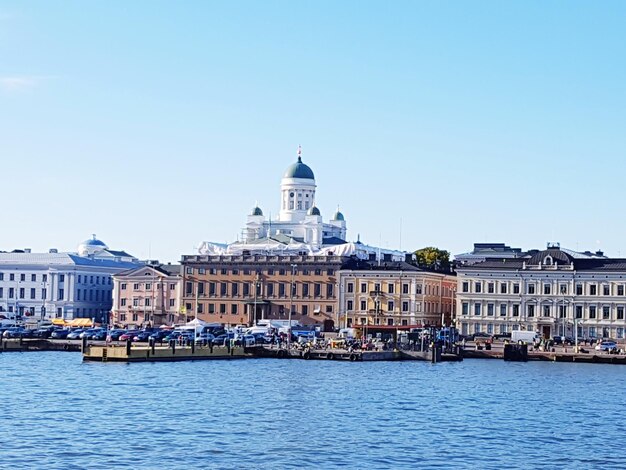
297 191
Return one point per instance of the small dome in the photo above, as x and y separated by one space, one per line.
256 211
94 242
314 211
338 216
299 170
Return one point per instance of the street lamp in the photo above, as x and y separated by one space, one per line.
256 288
293 273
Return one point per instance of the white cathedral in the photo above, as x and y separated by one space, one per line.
299 219
298 228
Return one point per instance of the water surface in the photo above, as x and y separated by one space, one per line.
60 413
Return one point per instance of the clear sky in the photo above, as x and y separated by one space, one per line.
157 125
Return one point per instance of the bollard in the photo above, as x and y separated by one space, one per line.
152 344
211 346
83 344
173 344
129 344
193 346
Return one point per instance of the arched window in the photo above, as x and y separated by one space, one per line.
548 260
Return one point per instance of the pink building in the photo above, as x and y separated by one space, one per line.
147 296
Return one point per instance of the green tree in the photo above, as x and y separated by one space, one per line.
433 258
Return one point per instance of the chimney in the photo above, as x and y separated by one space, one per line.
408 257
599 253
387 257
26 250
53 250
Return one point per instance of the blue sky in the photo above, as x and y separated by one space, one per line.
157 125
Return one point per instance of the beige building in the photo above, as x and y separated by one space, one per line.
147 296
242 289
392 293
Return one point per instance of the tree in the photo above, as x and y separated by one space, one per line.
433 258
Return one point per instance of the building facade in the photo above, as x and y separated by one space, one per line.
147 296
235 290
52 285
394 294
552 292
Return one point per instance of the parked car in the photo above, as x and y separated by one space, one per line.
115 334
128 335
60 334
14 332
44 333
221 339
142 336
606 346
160 334
99 335
566 340
89 332
205 338
75 334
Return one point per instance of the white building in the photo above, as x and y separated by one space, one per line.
61 285
299 218
552 292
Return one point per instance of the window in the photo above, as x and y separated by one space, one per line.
189 288
546 310
490 328
1 295
2 276
135 302
22 277
223 289
318 272
61 277
11 292
305 289
516 288
503 288
377 287
212 288
349 305
593 290
172 302
350 287
44 278
11 277
465 287
606 290
33 277
546 289
233 309
476 327
281 289
620 333
189 270
123 286
562 311
418 289
620 313
530 310
405 288
390 306
620 289
563 289
222 308
270 289
123 302
330 291
592 311
606 313
172 286
234 289
478 287
200 288
515 310
390 288
32 293
305 310
476 309
531 289
224 271
199 308
490 310
329 309
146 302
317 292
363 305
503 310
61 293
330 272
491 288
579 289
363 287
201 271
211 308
136 286
405 306
465 308
579 311
148 285
270 272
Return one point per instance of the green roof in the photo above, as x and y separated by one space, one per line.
299 170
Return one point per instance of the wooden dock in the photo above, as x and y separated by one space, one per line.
352 356
145 353
592 357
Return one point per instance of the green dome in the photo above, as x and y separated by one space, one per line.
299 170
338 216
257 211
314 211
